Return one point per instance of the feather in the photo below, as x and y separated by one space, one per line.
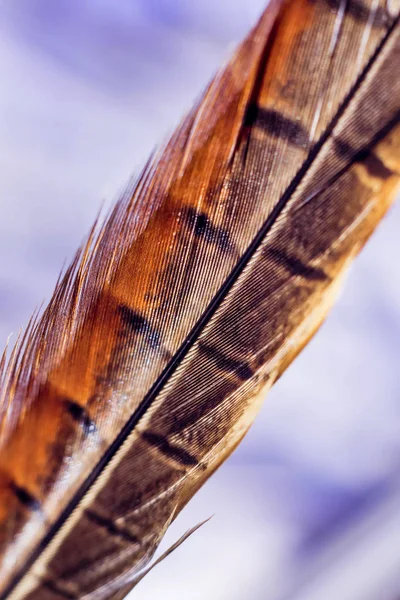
208 277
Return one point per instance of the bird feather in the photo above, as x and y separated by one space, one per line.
208 277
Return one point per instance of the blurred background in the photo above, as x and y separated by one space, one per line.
308 508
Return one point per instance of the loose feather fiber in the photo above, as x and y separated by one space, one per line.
209 276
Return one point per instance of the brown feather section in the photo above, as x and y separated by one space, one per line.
207 279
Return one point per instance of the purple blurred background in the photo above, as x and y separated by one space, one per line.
308 508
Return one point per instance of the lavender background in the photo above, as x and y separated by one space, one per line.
308 508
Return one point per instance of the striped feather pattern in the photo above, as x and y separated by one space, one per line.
209 276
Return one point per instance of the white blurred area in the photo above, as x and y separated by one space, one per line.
308 508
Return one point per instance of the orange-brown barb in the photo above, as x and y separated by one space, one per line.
147 367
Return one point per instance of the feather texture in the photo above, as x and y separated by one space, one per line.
209 276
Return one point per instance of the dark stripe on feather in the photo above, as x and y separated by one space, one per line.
25 498
295 265
111 527
136 323
360 12
175 452
57 588
226 364
80 415
277 125
202 227
374 165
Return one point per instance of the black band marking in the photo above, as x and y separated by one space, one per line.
203 228
374 165
111 527
226 364
53 586
362 13
175 452
139 324
277 125
80 415
26 498
295 265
